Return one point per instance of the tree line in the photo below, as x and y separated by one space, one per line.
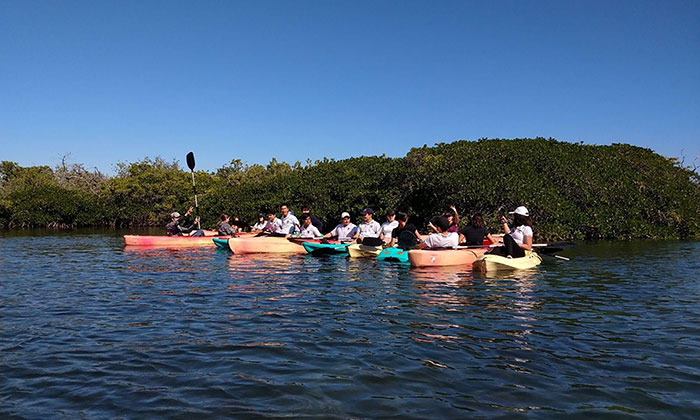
573 191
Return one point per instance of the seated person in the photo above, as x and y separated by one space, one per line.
443 238
369 229
175 229
405 235
308 230
475 232
345 230
224 228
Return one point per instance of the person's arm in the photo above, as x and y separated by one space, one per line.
462 238
317 233
527 243
504 222
456 215
491 238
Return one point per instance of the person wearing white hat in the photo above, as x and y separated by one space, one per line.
175 229
518 239
345 230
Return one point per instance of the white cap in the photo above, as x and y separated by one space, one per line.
344 215
521 211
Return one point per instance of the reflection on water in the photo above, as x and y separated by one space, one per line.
90 329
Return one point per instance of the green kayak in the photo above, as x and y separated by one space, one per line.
221 243
393 254
316 248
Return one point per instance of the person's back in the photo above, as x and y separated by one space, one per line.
405 237
474 235
442 240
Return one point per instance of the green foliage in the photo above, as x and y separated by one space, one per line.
573 191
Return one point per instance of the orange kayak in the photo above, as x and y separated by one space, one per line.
169 241
443 257
264 244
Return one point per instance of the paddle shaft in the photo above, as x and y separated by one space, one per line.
190 164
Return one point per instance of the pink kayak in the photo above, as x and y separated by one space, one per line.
443 257
169 241
264 244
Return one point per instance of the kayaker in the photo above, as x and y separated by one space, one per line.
369 228
389 226
453 219
175 229
273 223
305 209
475 232
405 235
224 228
443 238
308 230
345 230
262 225
288 223
518 239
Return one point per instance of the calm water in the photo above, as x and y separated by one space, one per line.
89 329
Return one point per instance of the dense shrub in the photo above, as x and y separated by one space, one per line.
573 191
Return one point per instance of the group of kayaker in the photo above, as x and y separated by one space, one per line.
395 231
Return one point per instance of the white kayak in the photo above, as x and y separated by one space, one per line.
489 262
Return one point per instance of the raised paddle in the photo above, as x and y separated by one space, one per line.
190 164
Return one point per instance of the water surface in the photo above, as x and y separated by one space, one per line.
89 329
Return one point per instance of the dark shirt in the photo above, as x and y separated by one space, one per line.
406 237
225 229
174 228
474 235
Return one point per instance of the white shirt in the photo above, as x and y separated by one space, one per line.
309 232
369 230
344 232
260 225
520 233
287 224
438 240
387 228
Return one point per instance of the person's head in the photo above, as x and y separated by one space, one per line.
284 209
224 217
175 216
261 217
450 217
477 221
271 215
441 223
305 209
521 216
345 218
390 216
306 219
367 214
402 218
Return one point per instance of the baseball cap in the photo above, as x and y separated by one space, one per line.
367 211
521 211
344 215
175 215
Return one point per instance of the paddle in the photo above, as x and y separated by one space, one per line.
190 164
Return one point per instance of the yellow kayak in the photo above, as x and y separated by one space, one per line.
364 251
488 263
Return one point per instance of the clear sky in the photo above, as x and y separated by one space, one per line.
117 81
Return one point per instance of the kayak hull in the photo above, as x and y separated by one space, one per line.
490 263
221 243
169 241
363 251
393 254
264 245
315 248
444 257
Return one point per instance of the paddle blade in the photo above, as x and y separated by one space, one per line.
190 161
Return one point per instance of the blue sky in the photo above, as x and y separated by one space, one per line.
117 81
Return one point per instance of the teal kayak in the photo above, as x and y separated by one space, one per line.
316 248
393 254
221 243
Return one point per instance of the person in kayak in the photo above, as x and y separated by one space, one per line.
308 230
288 224
389 226
175 229
344 231
475 232
224 228
518 239
453 219
405 235
262 225
369 229
443 238
305 209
